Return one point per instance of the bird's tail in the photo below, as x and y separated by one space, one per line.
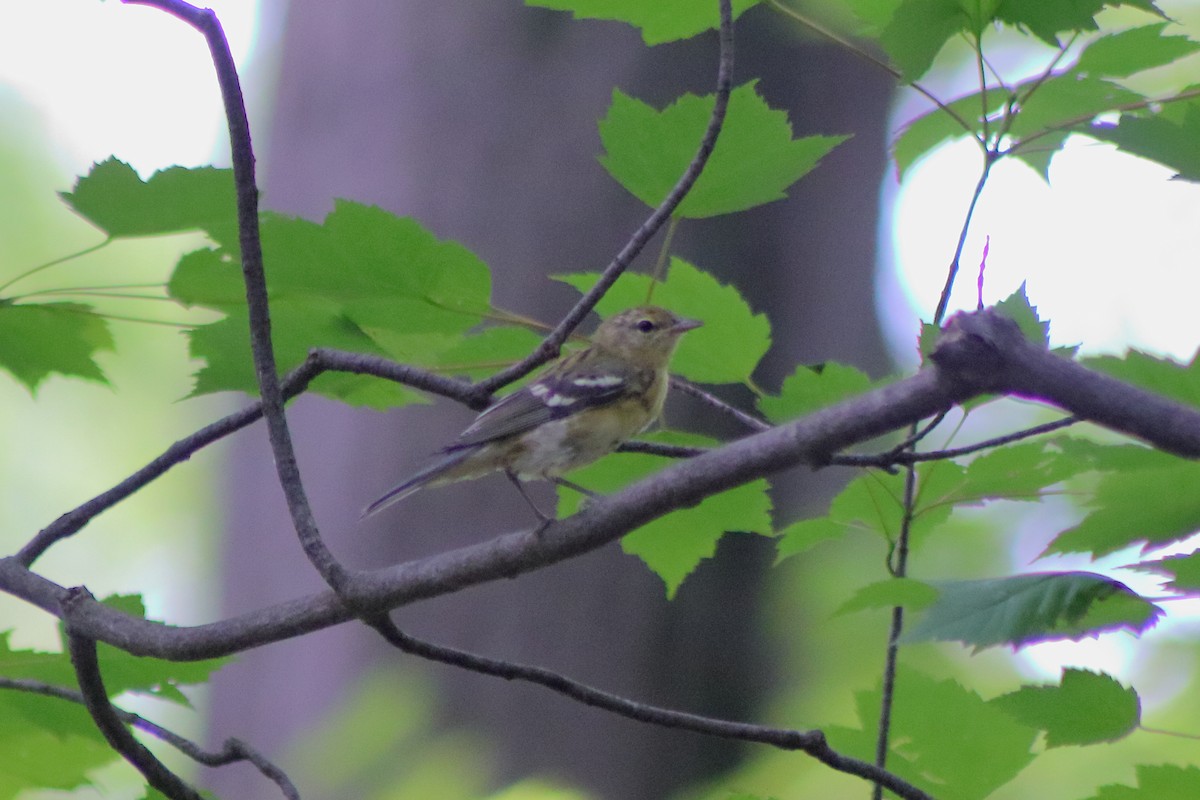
425 477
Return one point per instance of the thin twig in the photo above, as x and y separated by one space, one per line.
319 361
550 346
712 401
91 684
851 47
659 449
895 458
898 568
989 158
232 751
812 742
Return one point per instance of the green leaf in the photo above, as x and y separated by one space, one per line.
1069 98
1184 570
115 199
209 278
1128 52
872 502
1020 471
674 545
1085 708
1154 506
364 280
1156 782
1023 609
889 593
37 339
729 345
1162 376
660 21
917 32
1046 20
945 738
481 354
296 327
143 675
926 133
810 388
1018 308
753 163
1167 138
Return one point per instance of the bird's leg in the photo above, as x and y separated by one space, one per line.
545 520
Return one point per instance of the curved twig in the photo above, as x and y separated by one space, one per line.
812 742
551 345
254 277
232 751
319 361
91 684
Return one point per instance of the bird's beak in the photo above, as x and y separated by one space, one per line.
684 324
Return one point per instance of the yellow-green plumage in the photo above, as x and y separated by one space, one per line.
582 407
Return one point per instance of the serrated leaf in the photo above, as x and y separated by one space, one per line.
1128 52
296 327
810 388
924 134
1023 609
753 163
1152 506
906 592
660 21
1183 570
39 339
1018 308
1064 99
1167 138
115 199
1085 708
733 338
917 32
673 546
364 280
1163 376
1156 782
1020 471
1046 20
872 502
945 738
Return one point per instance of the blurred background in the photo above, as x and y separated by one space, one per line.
480 120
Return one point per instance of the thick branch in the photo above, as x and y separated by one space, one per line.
980 353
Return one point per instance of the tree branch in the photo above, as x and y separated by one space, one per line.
979 353
812 742
551 345
91 684
234 750
254 276
319 361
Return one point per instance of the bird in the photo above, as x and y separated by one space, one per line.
577 410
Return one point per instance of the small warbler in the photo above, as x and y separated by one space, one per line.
579 409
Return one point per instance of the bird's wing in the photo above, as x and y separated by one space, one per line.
553 396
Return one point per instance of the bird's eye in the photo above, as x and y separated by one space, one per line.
645 325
